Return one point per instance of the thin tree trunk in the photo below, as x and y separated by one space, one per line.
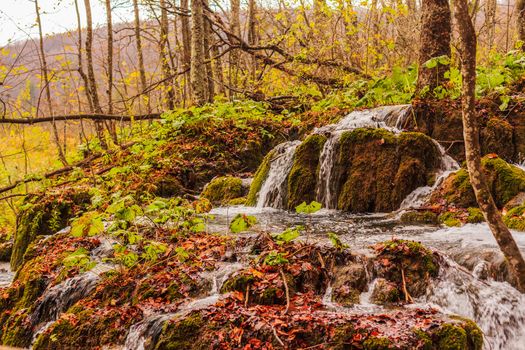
47 89
186 46
209 66
163 46
235 28
111 124
490 21
138 41
434 42
217 71
91 73
472 146
252 35
80 60
198 67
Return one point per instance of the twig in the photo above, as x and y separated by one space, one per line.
286 290
408 298
246 299
276 336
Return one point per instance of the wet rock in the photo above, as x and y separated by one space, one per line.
258 179
222 190
350 281
516 201
385 292
497 137
425 217
505 181
515 218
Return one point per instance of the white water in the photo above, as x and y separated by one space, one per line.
273 190
497 308
6 275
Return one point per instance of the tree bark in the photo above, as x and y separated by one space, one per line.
140 55
80 60
235 28
520 21
91 73
252 34
472 146
163 48
111 126
47 89
186 45
198 67
434 42
490 21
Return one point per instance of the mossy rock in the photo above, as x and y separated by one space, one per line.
221 190
450 219
302 178
378 169
182 334
459 334
515 218
498 137
425 217
475 216
5 251
505 182
399 257
43 216
378 343
385 292
350 281
237 201
258 179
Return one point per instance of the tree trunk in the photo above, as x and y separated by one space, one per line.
163 46
47 89
80 61
490 21
252 35
210 91
111 125
520 22
186 45
138 41
198 67
235 28
434 42
472 146
91 73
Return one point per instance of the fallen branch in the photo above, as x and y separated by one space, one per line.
408 298
66 118
286 290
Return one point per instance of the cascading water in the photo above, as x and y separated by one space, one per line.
144 333
273 190
497 308
5 275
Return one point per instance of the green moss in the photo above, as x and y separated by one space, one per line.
347 296
378 169
237 283
449 219
377 343
17 331
475 216
419 217
451 337
515 218
181 335
425 342
497 137
302 178
237 201
505 182
223 189
385 292
474 333
258 179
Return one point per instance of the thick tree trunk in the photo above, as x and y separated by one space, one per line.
472 146
91 73
520 23
198 67
163 48
434 42
140 55
47 89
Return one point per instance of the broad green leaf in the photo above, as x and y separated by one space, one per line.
242 223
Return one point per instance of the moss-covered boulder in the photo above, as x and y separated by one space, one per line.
407 264
350 281
385 292
222 190
258 179
425 217
505 182
303 176
515 218
6 247
42 216
379 169
498 137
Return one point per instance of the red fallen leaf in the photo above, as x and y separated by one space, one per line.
492 155
357 337
238 295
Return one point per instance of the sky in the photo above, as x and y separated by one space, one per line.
17 17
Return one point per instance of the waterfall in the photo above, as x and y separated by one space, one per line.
418 197
273 191
6 275
327 186
496 307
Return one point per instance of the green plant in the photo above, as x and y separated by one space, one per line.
79 258
336 241
242 222
275 258
288 235
89 224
